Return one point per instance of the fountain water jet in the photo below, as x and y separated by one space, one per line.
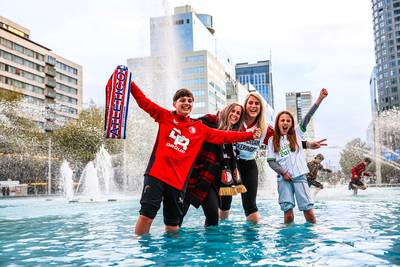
91 187
97 179
104 170
66 178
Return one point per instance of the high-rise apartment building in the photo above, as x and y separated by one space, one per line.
184 48
259 75
386 18
299 103
50 85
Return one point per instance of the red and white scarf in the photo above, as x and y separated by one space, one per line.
117 103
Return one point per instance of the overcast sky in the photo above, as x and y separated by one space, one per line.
314 44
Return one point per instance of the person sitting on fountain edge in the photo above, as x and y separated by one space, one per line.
179 139
313 167
357 172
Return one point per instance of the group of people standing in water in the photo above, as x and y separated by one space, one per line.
205 161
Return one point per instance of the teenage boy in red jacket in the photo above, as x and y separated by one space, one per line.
357 172
179 139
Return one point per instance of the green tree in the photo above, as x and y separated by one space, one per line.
22 144
18 133
79 140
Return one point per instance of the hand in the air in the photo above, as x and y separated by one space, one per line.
317 144
323 93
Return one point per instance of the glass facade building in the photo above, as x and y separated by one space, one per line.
259 75
184 48
386 23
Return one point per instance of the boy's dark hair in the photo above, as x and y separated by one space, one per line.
367 160
181 93
320 156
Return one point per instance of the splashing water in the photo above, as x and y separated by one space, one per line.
104 169
91 187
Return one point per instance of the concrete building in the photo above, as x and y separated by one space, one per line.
386 18
50 85
260 76
299 103
237 92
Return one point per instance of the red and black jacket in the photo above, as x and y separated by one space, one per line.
206 169
358 171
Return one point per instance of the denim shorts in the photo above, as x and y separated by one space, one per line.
297 187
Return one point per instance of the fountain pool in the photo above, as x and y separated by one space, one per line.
351 231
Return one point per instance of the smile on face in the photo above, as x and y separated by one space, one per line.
234 115
284 123
184 105
253 107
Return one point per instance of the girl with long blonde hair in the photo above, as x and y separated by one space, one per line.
254 117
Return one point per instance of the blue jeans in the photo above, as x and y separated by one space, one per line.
297 187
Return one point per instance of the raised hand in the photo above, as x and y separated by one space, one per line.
323 93
317 144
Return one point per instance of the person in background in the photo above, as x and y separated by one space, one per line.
313 167
357 172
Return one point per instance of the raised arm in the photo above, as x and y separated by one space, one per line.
154 110
323 93
220 137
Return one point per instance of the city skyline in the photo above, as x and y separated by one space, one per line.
313 45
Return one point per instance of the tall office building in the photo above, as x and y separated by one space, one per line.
199 71
386 18
386 77
299 103
50 85
184 53
259 75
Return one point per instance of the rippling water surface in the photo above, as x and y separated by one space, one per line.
351 231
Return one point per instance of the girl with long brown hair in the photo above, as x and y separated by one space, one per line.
286 158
